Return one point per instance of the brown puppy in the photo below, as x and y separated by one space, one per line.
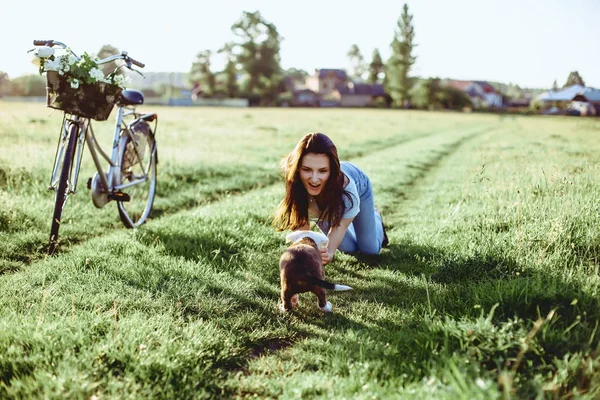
301 270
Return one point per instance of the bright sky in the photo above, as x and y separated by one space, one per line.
527 42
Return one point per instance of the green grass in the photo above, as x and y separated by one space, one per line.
489 289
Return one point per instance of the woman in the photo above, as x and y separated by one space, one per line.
337 195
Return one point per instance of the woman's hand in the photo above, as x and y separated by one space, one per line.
326 255
335 236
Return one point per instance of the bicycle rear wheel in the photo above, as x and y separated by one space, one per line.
137 158
62 192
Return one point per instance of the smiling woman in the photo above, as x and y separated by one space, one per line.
336 195
314 173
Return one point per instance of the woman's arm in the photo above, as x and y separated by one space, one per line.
335 235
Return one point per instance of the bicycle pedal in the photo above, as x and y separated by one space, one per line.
119 196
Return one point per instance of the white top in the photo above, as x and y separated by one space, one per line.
320 239
350 209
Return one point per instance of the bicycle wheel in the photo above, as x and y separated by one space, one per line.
62 192
137 158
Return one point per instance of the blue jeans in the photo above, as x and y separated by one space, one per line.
365 233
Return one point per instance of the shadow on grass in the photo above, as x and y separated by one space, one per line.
221 249
460 286
24 249
478 308
10 266
441 266
195 295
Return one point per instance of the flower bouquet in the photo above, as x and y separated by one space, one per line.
77 86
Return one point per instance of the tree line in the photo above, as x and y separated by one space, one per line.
254 55
253 70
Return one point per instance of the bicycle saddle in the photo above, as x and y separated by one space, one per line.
132 97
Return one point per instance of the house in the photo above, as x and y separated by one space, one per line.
491 96
588 102
524 102
300 95
584 99
304 98
565 94
481 93
359 94
335 89
325 81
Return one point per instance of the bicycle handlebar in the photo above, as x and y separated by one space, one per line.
136 62
130 60
48 43
123 56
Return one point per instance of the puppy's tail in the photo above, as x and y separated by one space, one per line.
327 285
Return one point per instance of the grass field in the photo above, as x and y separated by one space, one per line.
489 289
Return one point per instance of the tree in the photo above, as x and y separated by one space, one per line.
231 86
513 91
258 55
29 85
574 79
298 76
231 71
357 62
106 51
419 96
272 74
452 98
432 87
433 94
555 85
200 73
376 67
401 60
4 83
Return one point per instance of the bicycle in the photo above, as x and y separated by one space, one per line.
131 176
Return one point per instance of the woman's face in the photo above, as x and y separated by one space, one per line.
314 172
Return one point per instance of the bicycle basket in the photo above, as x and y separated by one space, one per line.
89 100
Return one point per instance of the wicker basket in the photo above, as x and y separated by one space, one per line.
89 100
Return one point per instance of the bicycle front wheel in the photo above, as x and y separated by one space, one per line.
137 160
63 190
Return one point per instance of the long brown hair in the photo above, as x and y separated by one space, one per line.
292 212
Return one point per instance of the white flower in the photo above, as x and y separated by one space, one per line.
61 64
52 65
118 79
121 80
76 70
96 74
43 52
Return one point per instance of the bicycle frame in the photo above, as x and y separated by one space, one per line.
111 180
60 149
